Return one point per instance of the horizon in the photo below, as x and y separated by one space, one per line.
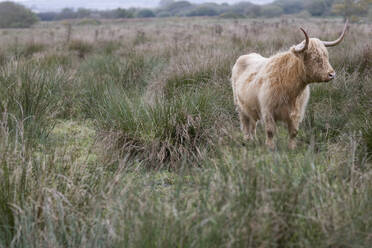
55 5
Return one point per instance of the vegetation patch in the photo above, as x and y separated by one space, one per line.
167 131
139 144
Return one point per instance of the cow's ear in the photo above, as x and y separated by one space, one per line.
300 55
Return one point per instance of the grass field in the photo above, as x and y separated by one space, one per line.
124 134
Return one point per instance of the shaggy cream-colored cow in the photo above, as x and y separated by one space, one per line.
277 88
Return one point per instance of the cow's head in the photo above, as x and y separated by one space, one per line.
315 57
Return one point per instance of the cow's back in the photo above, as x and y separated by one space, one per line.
245 69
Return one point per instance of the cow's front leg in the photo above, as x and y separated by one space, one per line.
293 124
246 126
270 130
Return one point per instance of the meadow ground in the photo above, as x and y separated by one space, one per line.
124 134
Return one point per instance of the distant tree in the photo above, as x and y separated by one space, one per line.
203 11
291 6
253 11
178 8
83 13
14 15
67 13
47 16
316 7
145 13
242 8
328 10
348 8
271 10
123 13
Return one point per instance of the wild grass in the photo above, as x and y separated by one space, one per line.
125 135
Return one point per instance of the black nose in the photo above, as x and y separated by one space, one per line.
332 75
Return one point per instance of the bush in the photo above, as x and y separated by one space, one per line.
316 7
14 15
145 13
203 11
177 8
271 11
122 13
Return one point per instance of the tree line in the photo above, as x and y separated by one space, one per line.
16 15
169 8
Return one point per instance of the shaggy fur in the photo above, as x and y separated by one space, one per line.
277 88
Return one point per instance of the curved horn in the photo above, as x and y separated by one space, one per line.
336 42
302 47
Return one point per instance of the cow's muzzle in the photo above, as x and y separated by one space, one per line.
331 75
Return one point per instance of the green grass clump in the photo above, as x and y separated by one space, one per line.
185 80
3 58
55 60
167 131
31 96
109 47
26 50
129 71
82 48
32 48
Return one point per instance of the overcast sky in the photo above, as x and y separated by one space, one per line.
45 5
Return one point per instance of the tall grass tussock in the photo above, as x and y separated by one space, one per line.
125 135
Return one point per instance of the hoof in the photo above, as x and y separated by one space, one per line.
270 145
292 145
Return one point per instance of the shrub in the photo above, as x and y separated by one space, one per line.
271 11
145 13
203 11
14 15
